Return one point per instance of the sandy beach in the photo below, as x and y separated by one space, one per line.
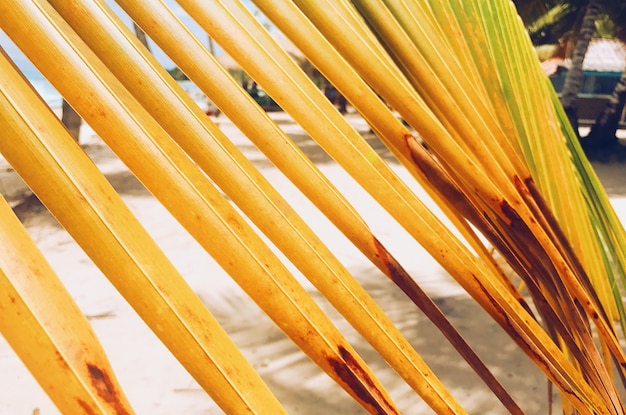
156 383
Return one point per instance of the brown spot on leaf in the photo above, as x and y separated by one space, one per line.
396 273
87 410
514 219
105 388
359 381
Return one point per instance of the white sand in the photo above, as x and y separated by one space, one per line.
155 382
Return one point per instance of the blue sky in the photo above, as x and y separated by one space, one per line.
24 64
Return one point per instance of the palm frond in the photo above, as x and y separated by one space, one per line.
483 134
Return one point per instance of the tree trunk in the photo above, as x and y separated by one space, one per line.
211 46
71 120
604 130
573 80
141 35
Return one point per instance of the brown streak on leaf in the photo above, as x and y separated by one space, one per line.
106 388
408 285
564 245
350 371
450 191
439 178
86 408
530 349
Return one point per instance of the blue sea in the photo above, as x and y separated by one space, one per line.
54 100
49 94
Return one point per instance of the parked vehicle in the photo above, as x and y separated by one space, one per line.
595 91
604 63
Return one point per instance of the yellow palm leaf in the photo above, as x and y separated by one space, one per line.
43 324
488 143
61 174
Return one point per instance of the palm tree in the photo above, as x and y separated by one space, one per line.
71 120
548 22
603 133
141 35
574 78
501 162
559 20
553 23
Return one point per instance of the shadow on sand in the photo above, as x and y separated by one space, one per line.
126 184
292 376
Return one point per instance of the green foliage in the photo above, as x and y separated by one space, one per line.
548 22
177 74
